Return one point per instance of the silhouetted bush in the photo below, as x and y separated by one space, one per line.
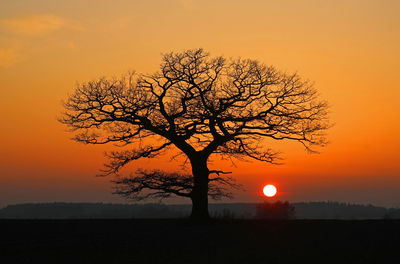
277 210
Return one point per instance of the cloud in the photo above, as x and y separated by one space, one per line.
8 57
32 25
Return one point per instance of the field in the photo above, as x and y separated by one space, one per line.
179 241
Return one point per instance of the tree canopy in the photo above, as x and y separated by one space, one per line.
200 105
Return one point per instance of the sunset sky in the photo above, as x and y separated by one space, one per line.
349 49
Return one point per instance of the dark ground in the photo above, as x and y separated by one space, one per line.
179 241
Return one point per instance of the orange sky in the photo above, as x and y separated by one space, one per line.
350 49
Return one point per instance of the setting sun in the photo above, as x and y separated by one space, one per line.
269 190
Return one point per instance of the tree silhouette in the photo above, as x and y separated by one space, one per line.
202 106
276 210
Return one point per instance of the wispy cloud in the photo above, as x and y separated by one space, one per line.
33 25
9 57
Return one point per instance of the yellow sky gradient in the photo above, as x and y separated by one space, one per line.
350 49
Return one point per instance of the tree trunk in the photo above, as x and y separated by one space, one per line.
199 194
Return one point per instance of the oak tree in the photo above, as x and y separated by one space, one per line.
201 106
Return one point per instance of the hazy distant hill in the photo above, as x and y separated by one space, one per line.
87 210
334 210
311 210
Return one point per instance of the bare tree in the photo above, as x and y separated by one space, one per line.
202 106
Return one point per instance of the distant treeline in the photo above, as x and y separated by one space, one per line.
310 210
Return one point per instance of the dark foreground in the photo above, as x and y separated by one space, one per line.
179 241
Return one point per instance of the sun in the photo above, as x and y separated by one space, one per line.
269 190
